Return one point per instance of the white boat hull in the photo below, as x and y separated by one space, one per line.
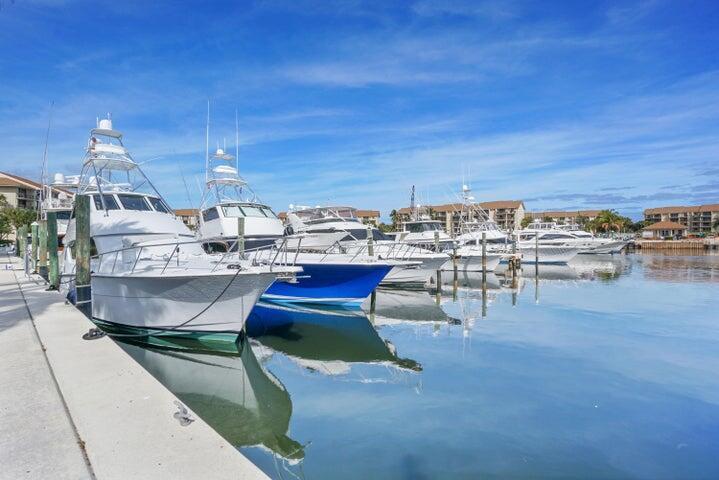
472 262
414 274
547 254
607 248
171 302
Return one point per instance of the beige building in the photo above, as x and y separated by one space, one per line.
564 217
20 192
368 217
664 229
508 214
188 216
697 219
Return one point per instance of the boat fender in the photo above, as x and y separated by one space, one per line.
234 266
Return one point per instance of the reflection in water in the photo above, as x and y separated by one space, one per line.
695 268
323 339
395 305
242 401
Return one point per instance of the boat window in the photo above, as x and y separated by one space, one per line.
110 202
268 212
133 202
210 214
361 234
415 227
232 211
158 205
555 236
252 211
63 215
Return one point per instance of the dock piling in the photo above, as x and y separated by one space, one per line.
42 260
82 251
370 241
34 245
54 266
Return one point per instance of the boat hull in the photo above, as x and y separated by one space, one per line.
547 254
606 248
218 303
473 263
416 274
327 283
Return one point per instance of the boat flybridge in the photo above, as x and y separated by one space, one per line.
228 202
148 270
57 197
330 220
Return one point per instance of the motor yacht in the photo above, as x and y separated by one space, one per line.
551 234
328 277
148 270
418 264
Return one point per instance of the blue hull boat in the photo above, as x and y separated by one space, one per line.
344 284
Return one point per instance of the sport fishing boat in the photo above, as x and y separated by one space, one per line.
228 202
148 270
419 264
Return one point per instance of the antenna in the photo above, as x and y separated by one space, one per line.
43 172
237 143
207 143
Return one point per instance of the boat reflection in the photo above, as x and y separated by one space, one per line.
398 305
241 400
678 268
323 339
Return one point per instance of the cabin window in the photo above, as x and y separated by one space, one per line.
158 205
134 202
63 215
252 211
210 214
110 202
555 236
232 211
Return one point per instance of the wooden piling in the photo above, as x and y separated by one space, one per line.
42 255
82 250
536 255
21 241
370 241
53 264
34 245
484 251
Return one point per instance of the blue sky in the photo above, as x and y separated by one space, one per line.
573 104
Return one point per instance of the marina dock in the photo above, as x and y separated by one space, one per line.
75 408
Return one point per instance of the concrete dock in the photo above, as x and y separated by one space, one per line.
74 408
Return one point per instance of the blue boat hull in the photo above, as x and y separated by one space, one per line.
335 284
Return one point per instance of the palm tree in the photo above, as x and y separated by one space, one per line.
394 216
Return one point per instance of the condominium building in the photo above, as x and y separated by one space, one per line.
20 192
565 217
508 214
368 217
697 219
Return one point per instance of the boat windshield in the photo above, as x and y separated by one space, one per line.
424 227
63 214
134 202
236 211
361 234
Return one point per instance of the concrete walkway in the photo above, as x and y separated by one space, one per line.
73 408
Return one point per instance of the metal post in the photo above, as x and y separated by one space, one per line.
54 266
240 236
42 261
370 241
82 250
34 244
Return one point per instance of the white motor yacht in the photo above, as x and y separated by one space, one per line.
148 270
552 234
419 264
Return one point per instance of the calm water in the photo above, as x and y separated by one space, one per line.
607 368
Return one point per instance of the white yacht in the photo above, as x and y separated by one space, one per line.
55 198
148 271
552 234
355 236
